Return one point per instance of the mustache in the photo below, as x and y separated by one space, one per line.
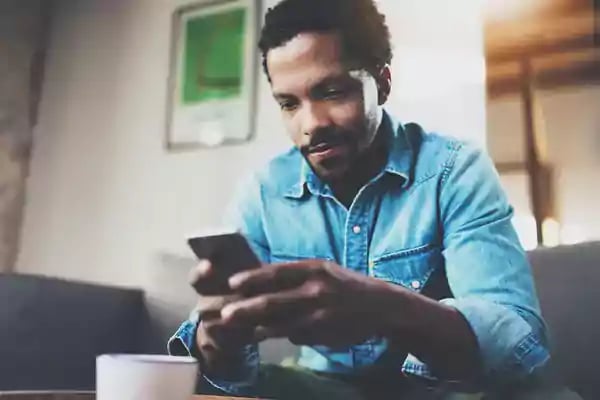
324 136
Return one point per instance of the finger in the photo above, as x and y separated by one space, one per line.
316 328
269 308
299 327
205 279
224 335
211 304
200 272
278 330
271 278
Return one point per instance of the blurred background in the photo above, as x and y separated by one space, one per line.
89 192
543 114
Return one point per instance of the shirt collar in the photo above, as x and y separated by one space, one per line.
403 147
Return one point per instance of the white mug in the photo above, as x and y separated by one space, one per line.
145 377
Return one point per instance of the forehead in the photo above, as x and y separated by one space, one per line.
305 60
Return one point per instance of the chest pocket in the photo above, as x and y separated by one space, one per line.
410 268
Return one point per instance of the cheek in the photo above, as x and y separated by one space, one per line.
293 129
348 114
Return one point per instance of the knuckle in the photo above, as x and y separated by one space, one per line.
317 290
321 316
263 304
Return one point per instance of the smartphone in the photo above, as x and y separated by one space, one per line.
229 253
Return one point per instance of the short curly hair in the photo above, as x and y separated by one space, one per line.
363 29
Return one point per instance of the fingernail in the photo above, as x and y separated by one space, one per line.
203 267
235 281
227 312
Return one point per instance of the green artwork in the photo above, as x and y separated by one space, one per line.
213 57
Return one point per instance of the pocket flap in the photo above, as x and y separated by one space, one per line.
410 268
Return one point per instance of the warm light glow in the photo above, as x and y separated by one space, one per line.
525 227
498 10
551 231
555 233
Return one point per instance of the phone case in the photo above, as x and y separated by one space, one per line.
228 253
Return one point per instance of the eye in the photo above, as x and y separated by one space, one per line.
288 105
334 93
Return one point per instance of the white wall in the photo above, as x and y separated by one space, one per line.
107 204
570 122
105 201
439 66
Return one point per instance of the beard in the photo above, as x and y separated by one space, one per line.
341 147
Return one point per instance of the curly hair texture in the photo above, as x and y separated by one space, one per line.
362 28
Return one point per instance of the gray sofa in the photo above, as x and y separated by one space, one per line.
568 284
51 330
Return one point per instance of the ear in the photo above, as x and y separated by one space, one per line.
384 84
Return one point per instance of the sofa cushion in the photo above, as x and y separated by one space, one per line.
52 331
568 284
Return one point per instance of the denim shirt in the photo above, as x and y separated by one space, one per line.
435 221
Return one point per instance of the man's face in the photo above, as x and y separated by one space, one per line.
331 112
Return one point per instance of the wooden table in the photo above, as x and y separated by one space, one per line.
81 396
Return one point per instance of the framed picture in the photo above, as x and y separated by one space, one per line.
213 74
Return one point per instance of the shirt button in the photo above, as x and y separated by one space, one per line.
356 229
415 284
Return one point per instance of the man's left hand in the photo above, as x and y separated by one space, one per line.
312 302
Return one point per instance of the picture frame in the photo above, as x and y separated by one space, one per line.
213 71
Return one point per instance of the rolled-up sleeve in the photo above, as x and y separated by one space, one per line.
244 214
488 271
182 343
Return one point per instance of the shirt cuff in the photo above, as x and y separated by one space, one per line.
182 343
509 346
510 350
246 387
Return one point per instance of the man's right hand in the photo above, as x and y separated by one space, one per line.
219 345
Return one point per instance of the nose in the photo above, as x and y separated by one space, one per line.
314 116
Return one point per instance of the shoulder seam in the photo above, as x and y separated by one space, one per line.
452 147
451 162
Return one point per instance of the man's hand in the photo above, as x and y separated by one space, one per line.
312 302
317 302
219 344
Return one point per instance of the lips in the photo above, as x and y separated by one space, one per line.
321 147
326 150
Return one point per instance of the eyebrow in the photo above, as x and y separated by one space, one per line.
283 96
328 80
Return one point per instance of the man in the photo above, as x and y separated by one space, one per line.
389 252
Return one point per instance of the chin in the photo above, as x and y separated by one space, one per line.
331 174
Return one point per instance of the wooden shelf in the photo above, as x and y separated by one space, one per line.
560 41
